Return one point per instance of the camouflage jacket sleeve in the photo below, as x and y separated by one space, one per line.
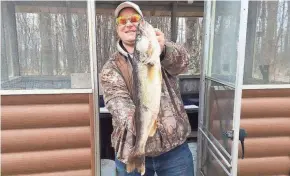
175 59
116 96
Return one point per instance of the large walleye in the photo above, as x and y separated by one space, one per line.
147 80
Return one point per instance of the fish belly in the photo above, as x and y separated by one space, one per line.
149 95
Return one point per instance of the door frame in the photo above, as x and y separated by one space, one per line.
96 155
207 47
239 82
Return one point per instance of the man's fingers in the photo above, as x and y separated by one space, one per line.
158 32
160 37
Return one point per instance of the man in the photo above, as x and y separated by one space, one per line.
167 152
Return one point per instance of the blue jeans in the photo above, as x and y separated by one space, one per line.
177 162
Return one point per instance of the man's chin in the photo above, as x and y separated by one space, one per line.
129 42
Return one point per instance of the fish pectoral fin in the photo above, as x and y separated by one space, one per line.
153 129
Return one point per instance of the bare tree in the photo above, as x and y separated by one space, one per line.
56 45
287 36
268 41
69 39
193 43
46 44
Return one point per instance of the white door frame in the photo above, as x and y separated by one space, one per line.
91 12
238 82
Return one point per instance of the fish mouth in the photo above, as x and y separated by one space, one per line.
141 29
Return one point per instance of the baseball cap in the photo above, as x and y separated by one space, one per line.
125 5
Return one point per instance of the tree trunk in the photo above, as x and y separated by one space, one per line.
287 40
46 44
174 22
105 42
251 37
99 38
69 40
25 61
271 32
191 43
56 56
269 41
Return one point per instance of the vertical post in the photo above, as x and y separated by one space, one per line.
11 42
173 23
212 19
206 42
91 11
4 64
239 84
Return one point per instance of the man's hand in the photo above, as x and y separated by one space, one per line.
160 38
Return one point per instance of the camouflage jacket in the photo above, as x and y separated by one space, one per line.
172 125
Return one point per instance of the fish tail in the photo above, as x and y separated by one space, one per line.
137 161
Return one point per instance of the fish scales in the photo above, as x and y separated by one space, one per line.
147 80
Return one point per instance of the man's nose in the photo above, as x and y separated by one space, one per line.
129 23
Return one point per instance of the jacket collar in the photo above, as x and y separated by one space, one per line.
122 49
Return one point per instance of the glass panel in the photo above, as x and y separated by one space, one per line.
210 161
189 34
218 115
45 45
224 36
268 43
189 27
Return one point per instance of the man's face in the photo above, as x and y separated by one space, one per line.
127 26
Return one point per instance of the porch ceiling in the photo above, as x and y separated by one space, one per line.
149 8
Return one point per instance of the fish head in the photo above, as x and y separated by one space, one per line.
143 30
146 42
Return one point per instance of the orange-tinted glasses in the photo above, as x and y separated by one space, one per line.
123 20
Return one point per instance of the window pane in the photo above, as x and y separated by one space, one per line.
45 45
189 34
218 112
224 31
268 43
